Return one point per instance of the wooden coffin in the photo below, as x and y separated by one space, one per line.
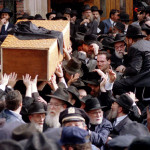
34 56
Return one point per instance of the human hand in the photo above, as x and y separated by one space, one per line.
102 85
73 78
52 83
95 48
40 99
4 79
34 84
12 79
101 73
121 69
112 76
3 21
27 80
59 71
132 96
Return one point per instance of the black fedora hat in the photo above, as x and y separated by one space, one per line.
67 11
124 101
86 7
120 26
146 27
93 104
6 10
124 17
95 8
73 66
38 17
52 12
24 131
79 84
107 43
74 91
120 37
134 31
36 108
74 114
61 94
92 78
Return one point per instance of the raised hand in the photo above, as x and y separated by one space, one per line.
112 76
73 78
4 79
27 80
12 79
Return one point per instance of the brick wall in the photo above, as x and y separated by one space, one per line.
19 7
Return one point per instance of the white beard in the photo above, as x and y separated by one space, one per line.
53 120
37 126
95 122
112 115
119 55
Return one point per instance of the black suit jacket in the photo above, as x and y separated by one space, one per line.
119 127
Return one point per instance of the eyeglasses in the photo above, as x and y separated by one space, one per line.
55 105
121 46
95 113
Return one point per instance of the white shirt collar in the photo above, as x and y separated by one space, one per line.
6 26
119 119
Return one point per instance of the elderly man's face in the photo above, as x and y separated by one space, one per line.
96 116
37 120
119 49
54 108
87 14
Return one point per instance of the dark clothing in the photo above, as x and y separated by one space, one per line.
91 27
118 128
100 134
115 61
137 71
3 33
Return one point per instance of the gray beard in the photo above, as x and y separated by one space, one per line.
91 18
112 115
98 20
119 55
37 126
53 120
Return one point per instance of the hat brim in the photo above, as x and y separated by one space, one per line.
91 82
10 13
116 100
99 107
135 36
64 64
60 98
42 112
117 41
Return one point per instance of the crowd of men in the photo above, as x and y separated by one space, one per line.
99 95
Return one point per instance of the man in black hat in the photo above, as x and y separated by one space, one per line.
119 111
5 14
109 23
119 45
67 13
99 125
138 65
146 29
59 101
119 27
87 25
51 15
36 114
97 16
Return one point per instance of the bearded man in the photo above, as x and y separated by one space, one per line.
87 24
36 114
59 102
118 55
101 126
